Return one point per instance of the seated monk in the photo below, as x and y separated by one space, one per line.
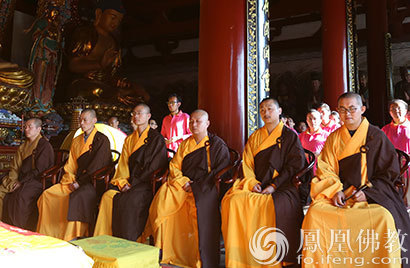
22 187
266 195
345 216
124 208
184 215
95 56
67 208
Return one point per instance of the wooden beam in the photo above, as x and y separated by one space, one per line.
297 20
149 5
315 41
148 33
179 57
286 8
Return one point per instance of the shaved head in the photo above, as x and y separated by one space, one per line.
270 99
200 113
146 107
91 112
351 95
36 121
198 124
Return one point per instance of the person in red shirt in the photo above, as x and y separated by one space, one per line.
398 131
175 126
327 125
314 137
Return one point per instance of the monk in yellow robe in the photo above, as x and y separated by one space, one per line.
184 215
22 187
266 196
367 227
124 208
67 209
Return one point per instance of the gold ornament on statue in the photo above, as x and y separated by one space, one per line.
5 100
3 90
14 86
18 77
97 92
14 101
13 92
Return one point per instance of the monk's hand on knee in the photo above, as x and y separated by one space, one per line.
73 186
257 188
187 187
125 188
359 196
16 185
268 190
338 199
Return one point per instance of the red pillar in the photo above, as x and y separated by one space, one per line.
376 22
221 84
334 50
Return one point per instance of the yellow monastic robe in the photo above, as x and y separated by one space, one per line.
24 151
173 214
53 203
122 174
237 228
337 237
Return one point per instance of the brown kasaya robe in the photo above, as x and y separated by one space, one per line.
268 159
382 171
130 208
186 226
287 157
20 206
347 162
83 201
67 214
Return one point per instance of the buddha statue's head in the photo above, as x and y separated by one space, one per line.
109 14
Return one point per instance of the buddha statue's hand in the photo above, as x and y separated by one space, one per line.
127 100
123 83
109 57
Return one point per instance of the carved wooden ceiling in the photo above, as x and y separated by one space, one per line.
165 23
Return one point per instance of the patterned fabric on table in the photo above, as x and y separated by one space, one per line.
22 248
112 252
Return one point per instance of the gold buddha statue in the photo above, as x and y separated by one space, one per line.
95 56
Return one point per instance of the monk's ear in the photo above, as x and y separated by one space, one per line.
98 14
363 109
280 110
149 116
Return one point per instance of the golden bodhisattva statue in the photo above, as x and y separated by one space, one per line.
95 56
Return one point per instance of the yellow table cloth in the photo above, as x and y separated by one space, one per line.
22 248
112 252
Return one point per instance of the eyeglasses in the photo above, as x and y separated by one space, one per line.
137 113
171 102
349 110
